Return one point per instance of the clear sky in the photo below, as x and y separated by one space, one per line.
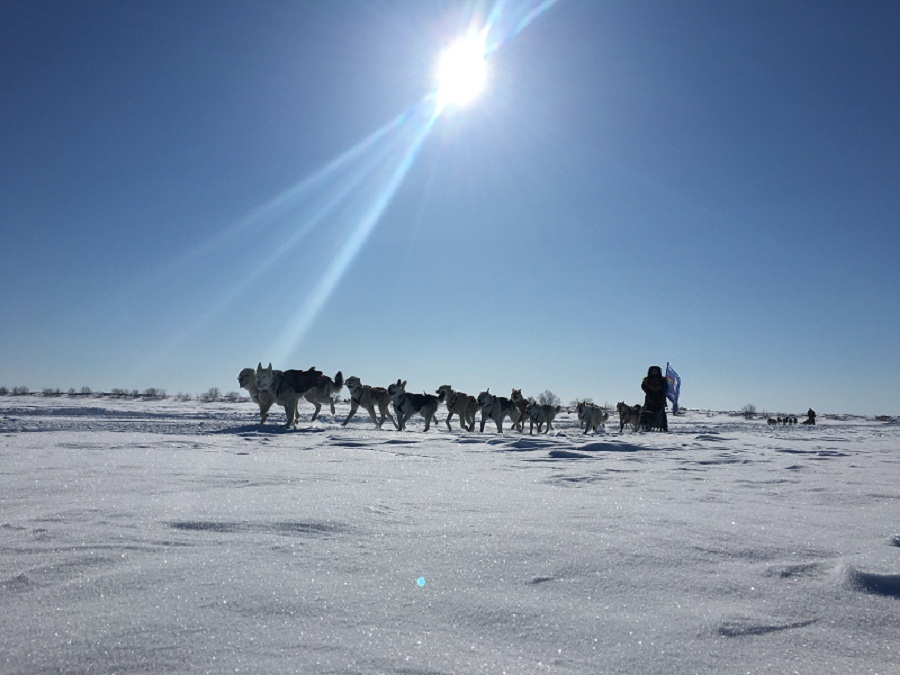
189 188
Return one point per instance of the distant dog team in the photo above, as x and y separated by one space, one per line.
268 387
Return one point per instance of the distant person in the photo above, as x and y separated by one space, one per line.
810 417
654 412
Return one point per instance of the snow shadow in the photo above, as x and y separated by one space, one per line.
875 584
309 528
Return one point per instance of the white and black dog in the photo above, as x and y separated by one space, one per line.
286 387
366 397
496 408
407 405
324 391
628 414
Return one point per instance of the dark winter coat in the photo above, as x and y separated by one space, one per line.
654 388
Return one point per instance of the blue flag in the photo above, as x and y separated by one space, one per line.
673 387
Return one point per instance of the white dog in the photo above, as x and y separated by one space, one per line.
407 405
265 400
286 387
366 397
496 408
324 391
591 417
541 414
460 404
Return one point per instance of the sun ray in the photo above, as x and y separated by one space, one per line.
352 191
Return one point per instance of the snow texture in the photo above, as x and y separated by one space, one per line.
170 536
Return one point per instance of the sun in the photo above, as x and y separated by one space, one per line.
462 72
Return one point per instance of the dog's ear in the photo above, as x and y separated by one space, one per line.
403 384
270 366
259 366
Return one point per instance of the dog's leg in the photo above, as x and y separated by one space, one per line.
449 417
316 413
386 412
264 411
354 406
374 417
331 400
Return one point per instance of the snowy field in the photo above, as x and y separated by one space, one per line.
169 536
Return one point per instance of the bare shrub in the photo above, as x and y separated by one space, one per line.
211 395
547 397
748 411
20 391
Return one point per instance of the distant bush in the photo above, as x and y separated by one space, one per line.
153 392
183 397
211 395
86 391
547 397
233 397
51 391
20 391
4 391
748 411
119 393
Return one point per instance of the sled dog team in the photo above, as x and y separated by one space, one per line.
268 387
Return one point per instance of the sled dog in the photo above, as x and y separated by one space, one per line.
407 405
366 397
286 387
521 403
591 417
540 415
628 414
247 380
496 408
460 404
324 391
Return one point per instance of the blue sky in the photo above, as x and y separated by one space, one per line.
188 188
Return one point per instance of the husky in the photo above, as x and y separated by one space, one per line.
286 387
521 403
540 415
496 408
407 405
366 397
591 417
324 391
628 414
460 404
247 380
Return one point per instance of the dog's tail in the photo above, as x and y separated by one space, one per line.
338 382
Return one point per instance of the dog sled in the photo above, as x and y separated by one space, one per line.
654 420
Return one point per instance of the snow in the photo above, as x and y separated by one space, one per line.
173 536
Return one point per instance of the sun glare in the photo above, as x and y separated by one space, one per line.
462 72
